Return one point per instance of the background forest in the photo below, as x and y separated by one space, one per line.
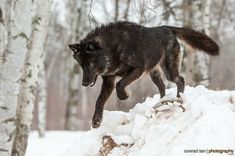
38 73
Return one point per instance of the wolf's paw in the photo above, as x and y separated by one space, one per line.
122 95
96 121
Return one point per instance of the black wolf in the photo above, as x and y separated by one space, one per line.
128 50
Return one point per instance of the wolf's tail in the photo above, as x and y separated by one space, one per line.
196 39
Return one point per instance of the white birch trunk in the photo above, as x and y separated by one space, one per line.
42 98
197 13
5 12
83 28
79 23
201 62
3 31
206 16
11 71
71 122
187 21
72 102
30 75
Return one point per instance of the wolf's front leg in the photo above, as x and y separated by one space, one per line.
128 78
106 91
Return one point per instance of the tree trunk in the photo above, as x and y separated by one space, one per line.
201 62
30 75
11 70
2 31
198 17
42 98
78 22
71 110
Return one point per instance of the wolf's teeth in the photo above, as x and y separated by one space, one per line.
92 84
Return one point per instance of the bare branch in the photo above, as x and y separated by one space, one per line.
116 10
127 10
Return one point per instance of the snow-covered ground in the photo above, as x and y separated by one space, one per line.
206 127
56 143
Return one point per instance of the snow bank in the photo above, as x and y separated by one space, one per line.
55 143
203 124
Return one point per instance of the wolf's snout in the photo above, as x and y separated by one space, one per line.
88 83
85 84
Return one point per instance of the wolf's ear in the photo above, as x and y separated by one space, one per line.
76 48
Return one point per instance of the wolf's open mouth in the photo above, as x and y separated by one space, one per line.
93 83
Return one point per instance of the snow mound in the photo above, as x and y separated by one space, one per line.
204 123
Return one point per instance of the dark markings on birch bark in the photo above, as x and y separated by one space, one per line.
1 16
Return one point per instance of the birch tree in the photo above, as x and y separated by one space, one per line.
201 63
42 97
2 31
30 75
78 25
73 77
12 63
197 16
18 74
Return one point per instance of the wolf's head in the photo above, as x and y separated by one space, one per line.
93 60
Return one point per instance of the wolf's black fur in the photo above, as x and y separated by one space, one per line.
128 50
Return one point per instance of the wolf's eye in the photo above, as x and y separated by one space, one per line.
90 47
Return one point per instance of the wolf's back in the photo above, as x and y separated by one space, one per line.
196 39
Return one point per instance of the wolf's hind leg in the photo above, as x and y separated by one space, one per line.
171 66
156 78
180 84
128 78
173 76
